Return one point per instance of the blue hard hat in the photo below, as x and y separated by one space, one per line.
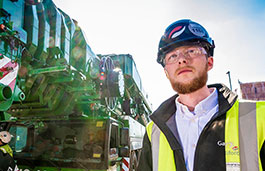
181 33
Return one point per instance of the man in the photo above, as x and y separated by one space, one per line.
7 162
202 128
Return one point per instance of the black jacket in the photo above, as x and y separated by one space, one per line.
208 156
7 162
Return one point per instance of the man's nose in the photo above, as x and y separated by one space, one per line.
182 59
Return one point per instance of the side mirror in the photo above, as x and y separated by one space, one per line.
19 140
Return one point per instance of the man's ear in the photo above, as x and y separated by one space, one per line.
210 63
166 73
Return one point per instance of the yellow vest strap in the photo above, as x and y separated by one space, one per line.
260 107
232 156
162 154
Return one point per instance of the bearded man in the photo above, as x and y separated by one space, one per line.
201 128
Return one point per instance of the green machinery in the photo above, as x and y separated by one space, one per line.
66 107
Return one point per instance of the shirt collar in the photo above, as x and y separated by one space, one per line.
203 107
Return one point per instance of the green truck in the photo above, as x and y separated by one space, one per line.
66 107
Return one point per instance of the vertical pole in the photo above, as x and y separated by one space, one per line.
228 73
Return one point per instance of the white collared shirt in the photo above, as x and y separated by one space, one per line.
191 124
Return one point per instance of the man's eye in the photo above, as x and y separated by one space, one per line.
191 51
173 56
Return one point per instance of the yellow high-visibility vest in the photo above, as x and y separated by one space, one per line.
240 116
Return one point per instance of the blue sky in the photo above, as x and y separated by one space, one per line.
135 27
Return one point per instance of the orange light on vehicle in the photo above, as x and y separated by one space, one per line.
2 27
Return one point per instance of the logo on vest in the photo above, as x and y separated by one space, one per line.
232 149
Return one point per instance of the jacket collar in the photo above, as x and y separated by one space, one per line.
226 99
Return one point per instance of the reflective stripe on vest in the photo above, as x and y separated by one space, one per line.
248 136
251 123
